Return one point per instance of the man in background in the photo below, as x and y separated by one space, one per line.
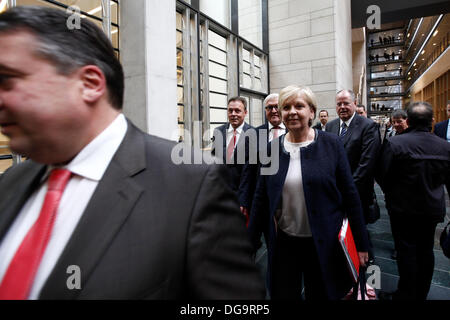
412 170
323 119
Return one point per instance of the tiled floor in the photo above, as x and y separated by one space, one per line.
381 236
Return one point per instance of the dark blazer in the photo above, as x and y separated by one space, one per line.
236 173
152 229
330 194
440 129
362 144
318 126
412 169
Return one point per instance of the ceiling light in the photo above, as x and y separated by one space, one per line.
408 35
415 64
434 44
423 51
435 33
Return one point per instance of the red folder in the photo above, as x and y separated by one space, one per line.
348 245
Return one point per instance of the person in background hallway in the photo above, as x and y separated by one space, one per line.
442 129
303 206
399 122
361 110
98 193
230 141
361 139
412 170
323 119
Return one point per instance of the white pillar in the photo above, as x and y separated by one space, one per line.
148 55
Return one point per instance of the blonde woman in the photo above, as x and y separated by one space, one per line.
303 205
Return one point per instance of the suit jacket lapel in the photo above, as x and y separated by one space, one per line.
107 210
351 128
14 196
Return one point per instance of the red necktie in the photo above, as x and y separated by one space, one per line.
275 132
231 146
20 274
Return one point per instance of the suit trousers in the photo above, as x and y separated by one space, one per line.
414 242
294 258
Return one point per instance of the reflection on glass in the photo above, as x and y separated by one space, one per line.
218 100
250 21
217 55
218 115
219 10
180 113
217 85
217 40
179 57
180 76
217 70
247 81
180 95
179 39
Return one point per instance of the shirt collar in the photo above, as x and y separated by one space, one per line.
238 129
91 162
348 121
281 125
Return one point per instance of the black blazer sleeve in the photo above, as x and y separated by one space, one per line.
351 201
217 243
364 172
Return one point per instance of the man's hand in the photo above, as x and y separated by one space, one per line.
363 258
244 211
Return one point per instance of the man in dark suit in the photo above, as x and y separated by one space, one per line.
441 129
323 119
235 139
92 215
412 170
361 139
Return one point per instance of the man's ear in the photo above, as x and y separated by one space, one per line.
93 83
407 121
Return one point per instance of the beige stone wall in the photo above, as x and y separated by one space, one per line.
310 44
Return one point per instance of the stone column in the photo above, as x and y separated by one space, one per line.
148 55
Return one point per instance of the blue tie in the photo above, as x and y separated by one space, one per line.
344 129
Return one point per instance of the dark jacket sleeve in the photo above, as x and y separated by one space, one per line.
219 254
384 164
351 201
259 215
369 153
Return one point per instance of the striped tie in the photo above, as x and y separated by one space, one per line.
344 129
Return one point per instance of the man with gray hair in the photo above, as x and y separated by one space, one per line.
361 139
412 170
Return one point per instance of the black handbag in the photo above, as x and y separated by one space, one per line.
445 241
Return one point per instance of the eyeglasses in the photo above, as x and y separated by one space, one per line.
271 108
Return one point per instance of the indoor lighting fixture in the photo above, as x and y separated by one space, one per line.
435 33
408 35
423 52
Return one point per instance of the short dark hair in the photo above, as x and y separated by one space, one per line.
399 113
361 106
323 111
68 49
237 98
420 115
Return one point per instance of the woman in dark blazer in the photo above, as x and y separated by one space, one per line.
303 205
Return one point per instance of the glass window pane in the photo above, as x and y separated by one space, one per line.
219 10
250 21
258 85
217 85
179 21
257 61
217 115
217 55
180 76
114 12
217 40
115 37
246 55
179 58
257 114
247 81
179 39
181 132
246 67
217 70
218 100
180 94
180 113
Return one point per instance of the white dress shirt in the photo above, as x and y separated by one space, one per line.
294 217
448 131
281 130
88 168
346 122
238 133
